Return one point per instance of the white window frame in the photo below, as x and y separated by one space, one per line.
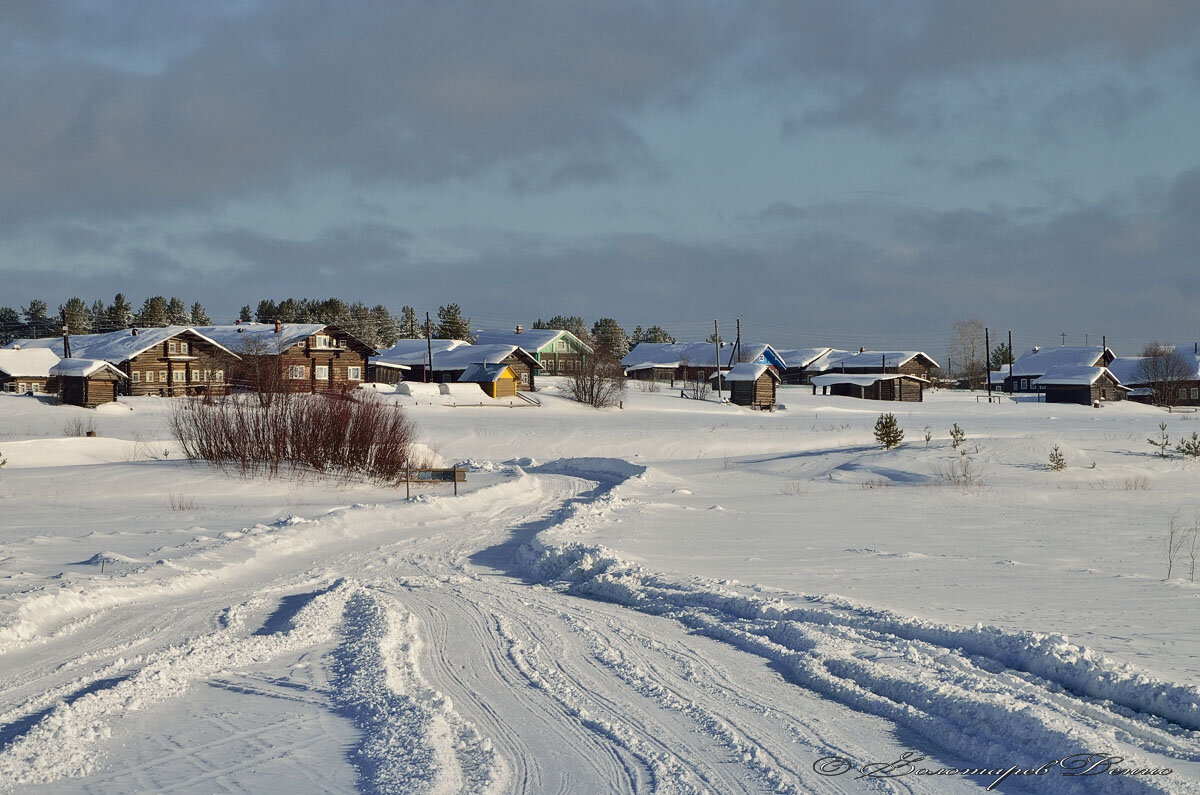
219 375
172 348
162 376
354 373
183 347
524 376
1183 393
321 372
179 376
149 376
297 372
560 345
1195 393
136 376
322 341
1024 384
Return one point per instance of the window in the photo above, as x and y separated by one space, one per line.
297 372
183 347
321 341
178 375
136 376
149 376
21 387
354 373
561 345
36 386
162 376
219 375
1182 394
1195 393
171 348
321 371
1024 384
524 378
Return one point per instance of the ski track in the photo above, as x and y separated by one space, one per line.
543 664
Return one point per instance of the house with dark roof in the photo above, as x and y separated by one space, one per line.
690 361
451 361
1080 383
751 384
1037 362
865 362
87 382
872 386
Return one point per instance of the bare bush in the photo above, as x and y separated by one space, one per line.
181 502
1175 542
599 382
960 472
358 436
793 488
77 426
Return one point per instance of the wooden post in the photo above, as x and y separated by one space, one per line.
717 360
429 348
1011 388
987 361
408 480
456 481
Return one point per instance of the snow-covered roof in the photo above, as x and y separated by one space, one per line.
802 357
1074 375
1128 369
458 357
695 354
241 337
481 372
747 371
27 362
412 352
531 339
118 346
834 359
1042 360
82 367
865 379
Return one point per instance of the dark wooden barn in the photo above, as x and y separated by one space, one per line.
872 386
751 384
1080 384
87 382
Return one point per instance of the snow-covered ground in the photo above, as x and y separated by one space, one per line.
679 596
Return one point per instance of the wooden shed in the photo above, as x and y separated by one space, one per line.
872 386
751 384
87 382
27 370
497 380
1080 384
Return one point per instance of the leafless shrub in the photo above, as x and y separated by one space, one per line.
599 382
793 488
182 502
77 426
876 483
960 472
1175 542
342 436
1131 483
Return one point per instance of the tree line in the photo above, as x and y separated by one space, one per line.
375 325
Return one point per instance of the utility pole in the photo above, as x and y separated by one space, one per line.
428 348
1085 339
736 349
987 360
717 359
1064 338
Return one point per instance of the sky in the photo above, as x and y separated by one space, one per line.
832 173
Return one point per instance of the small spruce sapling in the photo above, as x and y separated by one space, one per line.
957 435
1163 441
928 436
1190 447
887 432
1058 461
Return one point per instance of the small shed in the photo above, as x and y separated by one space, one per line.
1080 384
87 382
751 384
27 370
872 386
497 379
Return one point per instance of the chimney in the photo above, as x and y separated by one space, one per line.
66 343
133 332
520 328
862 349
278 326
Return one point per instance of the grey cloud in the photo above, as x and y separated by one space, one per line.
984 168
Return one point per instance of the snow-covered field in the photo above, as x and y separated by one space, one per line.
678 596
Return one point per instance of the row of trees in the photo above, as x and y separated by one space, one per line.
606 335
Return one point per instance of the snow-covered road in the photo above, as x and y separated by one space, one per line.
476 645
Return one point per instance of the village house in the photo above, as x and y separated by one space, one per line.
168 361
1183 386
450 362
497 379
294 357
865 362
693 361
27 370
408 360
872 386
1037 362
555 351
751 384
87 382
1074 383
799 360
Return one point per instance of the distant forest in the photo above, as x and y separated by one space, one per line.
377 325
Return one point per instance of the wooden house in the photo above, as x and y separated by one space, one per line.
865 362
752 384
555 351
293 357
1179 385
27 370
87 382
872 386
799 360
692 361
408 360
1080 384
169 361
450 362
1036 362
497 380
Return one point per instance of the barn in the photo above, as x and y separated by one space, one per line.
751 384
1080 384
87 382
496 379
872 386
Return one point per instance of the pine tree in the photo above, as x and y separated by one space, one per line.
571 323
98 316
10 324
75 316
37 321
410 327
387 329
267 311
610 338
451 323
657 334
120 313
244 315
888 432
153 313
1001 356
199 316
361 324
177 313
